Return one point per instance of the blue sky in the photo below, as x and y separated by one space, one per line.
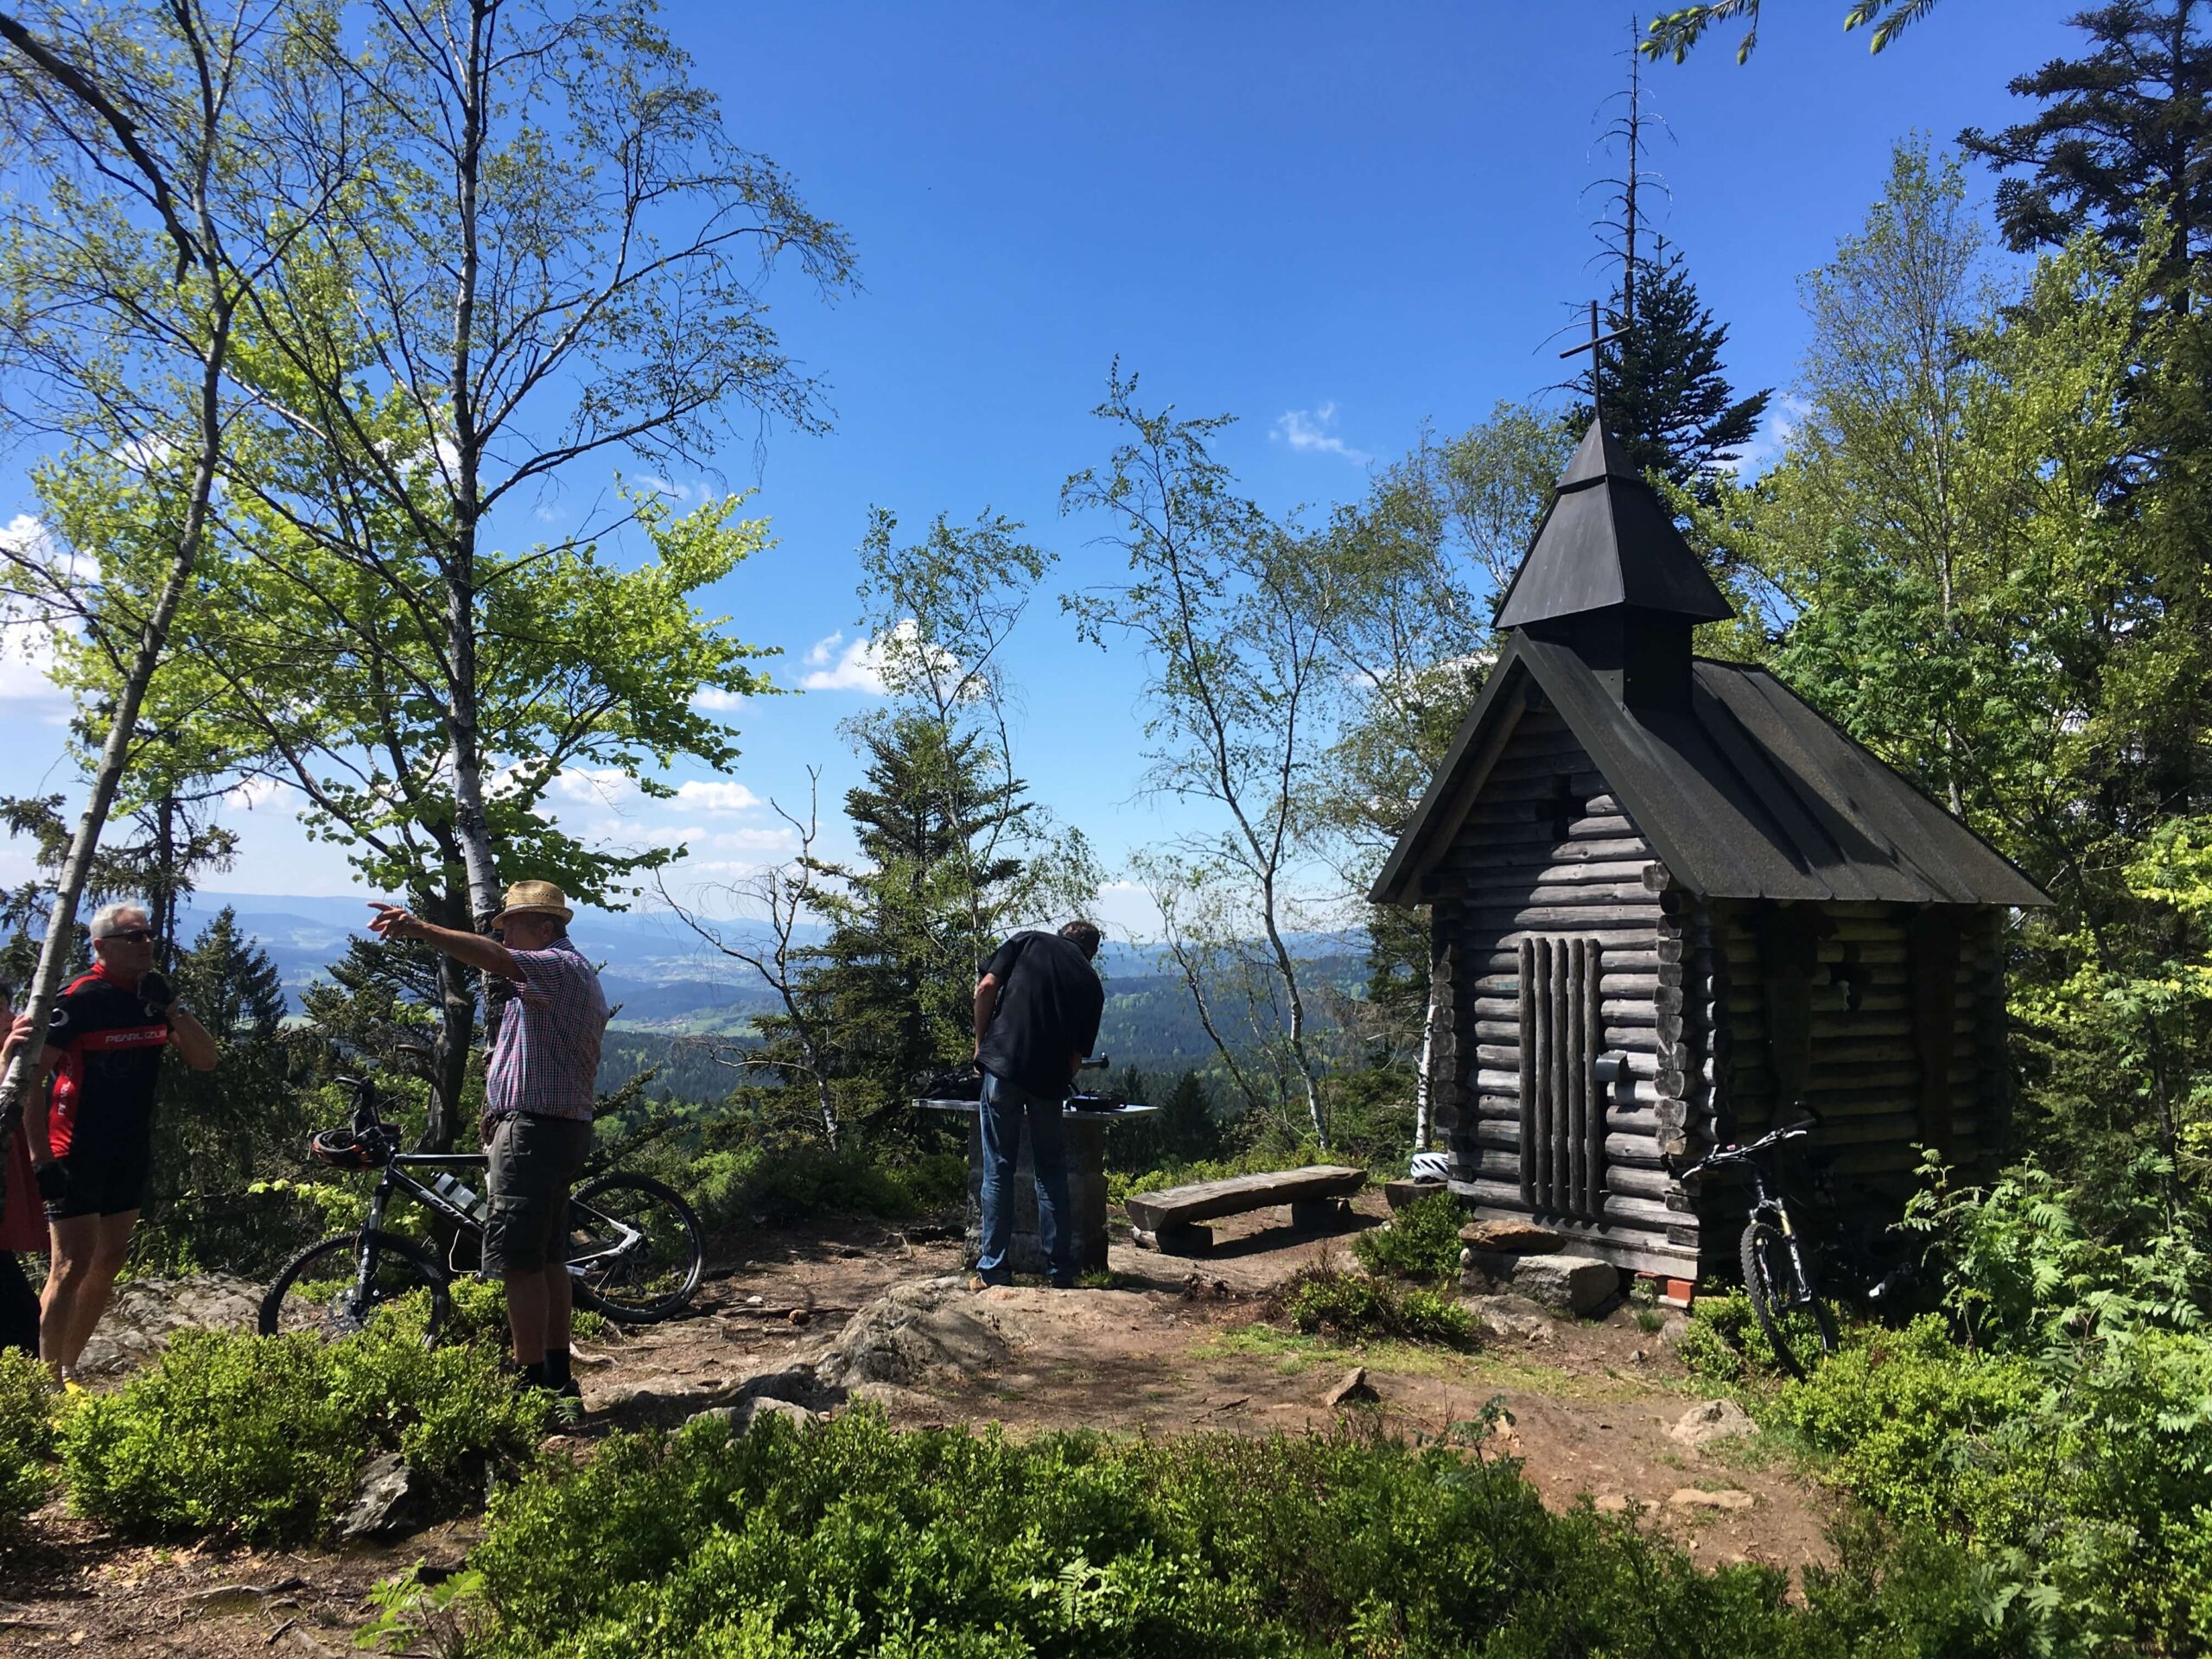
1334 223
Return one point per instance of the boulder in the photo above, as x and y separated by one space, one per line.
380 1502
1511 1316
929 1330
1711 1420
1571 1284
1512 1238
146 1313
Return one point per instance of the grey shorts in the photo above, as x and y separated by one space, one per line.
533 1162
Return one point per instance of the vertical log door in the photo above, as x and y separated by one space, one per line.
1562 1103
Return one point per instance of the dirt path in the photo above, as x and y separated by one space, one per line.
1174 1347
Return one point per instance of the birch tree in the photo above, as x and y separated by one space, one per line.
124 273
1231 612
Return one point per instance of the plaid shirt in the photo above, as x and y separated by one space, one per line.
546 1059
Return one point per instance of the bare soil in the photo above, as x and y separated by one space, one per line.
1174 1347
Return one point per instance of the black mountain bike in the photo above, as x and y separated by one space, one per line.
1777 1260
635 1253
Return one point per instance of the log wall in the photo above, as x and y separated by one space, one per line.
1545 851
1888 1018
1930 993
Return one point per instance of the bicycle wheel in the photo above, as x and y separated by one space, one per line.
635 1251
334 1287
1772 1280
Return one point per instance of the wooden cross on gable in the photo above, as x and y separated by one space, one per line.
1597 361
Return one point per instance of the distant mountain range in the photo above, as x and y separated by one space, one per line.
663 977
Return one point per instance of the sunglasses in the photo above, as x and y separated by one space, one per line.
132 935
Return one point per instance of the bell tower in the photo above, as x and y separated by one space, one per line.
1610 578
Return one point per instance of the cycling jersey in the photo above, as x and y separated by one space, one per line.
100 1114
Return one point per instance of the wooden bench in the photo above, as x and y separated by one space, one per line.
1169 1221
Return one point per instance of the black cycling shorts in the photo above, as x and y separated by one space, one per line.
110 1159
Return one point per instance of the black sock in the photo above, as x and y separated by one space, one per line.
533 1375
556 1368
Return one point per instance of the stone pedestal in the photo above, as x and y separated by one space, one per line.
1083 1134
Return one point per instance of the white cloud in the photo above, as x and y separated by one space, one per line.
1311 429
778 838
607 785
875 666
1783 416
26 638
713 699
252 793
858 667
716 797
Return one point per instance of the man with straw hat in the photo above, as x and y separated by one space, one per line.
537 1106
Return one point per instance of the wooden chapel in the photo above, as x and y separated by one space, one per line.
1631 851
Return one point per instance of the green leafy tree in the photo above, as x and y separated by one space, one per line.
1673 34
579 661
1231 610
128 125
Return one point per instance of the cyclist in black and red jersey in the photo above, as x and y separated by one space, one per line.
92 1136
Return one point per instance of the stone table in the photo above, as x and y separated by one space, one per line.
1083 1131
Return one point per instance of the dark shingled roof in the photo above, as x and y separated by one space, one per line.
1752 793
1607 541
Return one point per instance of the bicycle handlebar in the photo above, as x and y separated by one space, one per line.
1720 1156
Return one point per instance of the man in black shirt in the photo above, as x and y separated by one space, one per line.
92 1138
1036 1010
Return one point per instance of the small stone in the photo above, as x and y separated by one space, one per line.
1354 1389
1611 1503
1691 1498
1712 1419
1512 1238
756 1301
798 1316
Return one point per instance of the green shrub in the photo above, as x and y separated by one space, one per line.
850 1538
736 1187
263 1438
1420 1241
1353 1307
27 1437
476 1311
1724 1342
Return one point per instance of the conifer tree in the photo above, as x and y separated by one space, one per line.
2124 132
1663 391
913 918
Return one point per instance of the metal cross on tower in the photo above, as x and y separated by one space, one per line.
1597 360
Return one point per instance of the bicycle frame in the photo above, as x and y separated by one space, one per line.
394 1178
1769 1202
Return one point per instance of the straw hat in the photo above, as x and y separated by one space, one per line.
534 898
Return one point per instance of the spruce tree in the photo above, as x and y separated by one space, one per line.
2123 131
1664 393
914 917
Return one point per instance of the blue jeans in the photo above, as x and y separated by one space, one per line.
1005 1106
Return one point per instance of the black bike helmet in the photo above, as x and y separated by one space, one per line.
369 1149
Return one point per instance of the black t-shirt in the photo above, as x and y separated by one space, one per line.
1049 1003
111 1061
